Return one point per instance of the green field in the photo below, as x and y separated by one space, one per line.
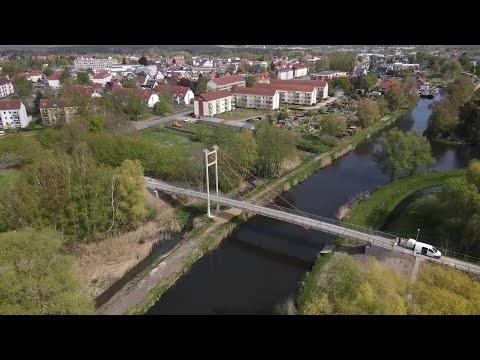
424 213
165 137
239 114
6 177
373 211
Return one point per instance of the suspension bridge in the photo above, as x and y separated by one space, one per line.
291 215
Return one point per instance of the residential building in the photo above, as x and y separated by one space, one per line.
225 83
320 85
54 81
300 70
148 70
94 64
181 94
177 60
293 93
213 103
256 98
13 115
327 75
262 77
6 87
385 85
57 111
102 77
400 66
284 73
35 75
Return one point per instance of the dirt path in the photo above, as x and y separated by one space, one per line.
172 262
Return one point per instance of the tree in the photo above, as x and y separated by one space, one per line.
22 86
412 59
451 69
368 112
333 124
282 115
251 81
368 81
128 84
443 120
83 79
65 76
464 60
460 90
274 145
124 61
469 123
403 152
37 279
48 72
343 82
128 186
143 61
272 66
201 84
201 134
97 124
163 106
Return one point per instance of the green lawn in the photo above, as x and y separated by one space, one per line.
6 177
165 137
373 211
424 213
239 114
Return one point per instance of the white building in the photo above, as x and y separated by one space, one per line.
256 98
13 115
320 85
300 70
293 93
225 83
148 70
54 81
6 87
284 73
94 64
213 103
180 94
35 75
102 77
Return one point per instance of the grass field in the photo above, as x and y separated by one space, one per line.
424 213
6 177
239 114
373 211
165 137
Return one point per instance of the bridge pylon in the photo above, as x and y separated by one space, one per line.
208 163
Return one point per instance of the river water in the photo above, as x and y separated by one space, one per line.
262 263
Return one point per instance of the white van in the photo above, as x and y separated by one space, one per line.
2 133
423 248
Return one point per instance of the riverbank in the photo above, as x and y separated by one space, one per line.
296 175
373 212
142 292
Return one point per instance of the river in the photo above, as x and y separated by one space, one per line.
262 263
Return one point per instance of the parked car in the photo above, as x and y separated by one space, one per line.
186 120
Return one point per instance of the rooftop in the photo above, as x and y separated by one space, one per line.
228 79
10 105
215 95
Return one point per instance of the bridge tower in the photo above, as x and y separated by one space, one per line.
208 163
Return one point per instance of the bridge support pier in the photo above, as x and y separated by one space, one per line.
207 165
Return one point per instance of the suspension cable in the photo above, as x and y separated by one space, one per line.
224 152
225 163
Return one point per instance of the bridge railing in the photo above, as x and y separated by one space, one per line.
460 256
337 223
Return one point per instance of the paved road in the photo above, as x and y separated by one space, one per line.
160 120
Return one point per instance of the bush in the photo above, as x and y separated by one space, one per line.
329 140
312 146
